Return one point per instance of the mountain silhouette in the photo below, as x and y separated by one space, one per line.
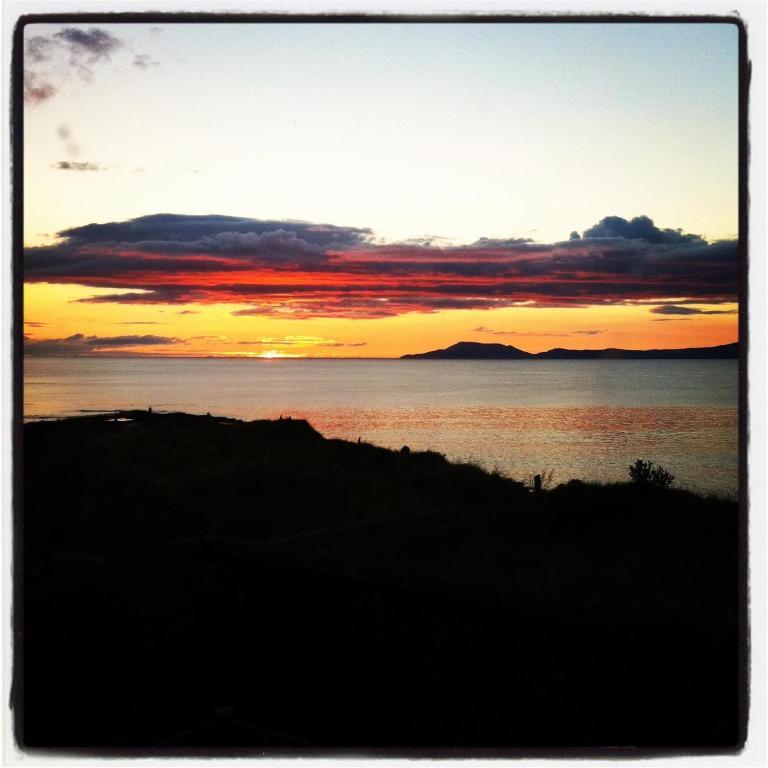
475 350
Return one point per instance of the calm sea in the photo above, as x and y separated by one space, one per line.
580 419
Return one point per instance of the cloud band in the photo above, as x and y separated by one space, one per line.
304 270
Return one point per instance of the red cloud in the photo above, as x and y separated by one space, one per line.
303 270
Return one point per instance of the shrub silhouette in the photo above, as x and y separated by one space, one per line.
645 473
546 478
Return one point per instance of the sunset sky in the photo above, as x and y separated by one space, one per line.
373 190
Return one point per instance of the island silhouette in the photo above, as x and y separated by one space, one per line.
475 350
199 582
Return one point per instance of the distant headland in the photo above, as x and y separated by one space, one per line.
474 350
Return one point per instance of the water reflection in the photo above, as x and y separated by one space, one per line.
585 419
698 445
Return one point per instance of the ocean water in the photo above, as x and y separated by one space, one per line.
579 419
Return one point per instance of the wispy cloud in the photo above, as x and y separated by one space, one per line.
590 332
300 341
39 49
51 61
495 332
143 61
65 134
37 89
302 270
673 309
72 165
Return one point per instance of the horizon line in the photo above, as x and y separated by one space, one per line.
97 355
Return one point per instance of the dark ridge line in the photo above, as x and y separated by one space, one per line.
475 350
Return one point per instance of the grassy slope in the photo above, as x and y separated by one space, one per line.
276 588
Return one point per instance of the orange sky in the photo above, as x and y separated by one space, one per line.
53 312
564 185
175 284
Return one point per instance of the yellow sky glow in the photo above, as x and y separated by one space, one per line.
212 329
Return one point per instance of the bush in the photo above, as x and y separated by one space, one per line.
546 476
645 473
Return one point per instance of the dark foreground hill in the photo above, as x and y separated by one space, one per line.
203 582
475 350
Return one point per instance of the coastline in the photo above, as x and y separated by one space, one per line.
585 419
345 595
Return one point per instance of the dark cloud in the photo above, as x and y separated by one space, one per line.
130 341
673 309
639 228
139 322
172 244
79 344
94 43
299 270
171 228
276 246
147 297
590 332
73 165
188 312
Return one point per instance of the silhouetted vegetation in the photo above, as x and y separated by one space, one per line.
545 479
200 581
646 473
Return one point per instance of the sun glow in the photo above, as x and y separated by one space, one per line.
271 354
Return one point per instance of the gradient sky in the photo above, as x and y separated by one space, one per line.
449 164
